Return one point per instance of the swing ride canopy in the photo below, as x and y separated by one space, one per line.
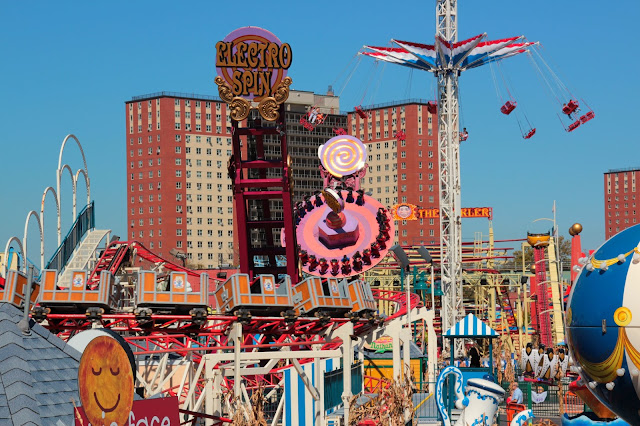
463 55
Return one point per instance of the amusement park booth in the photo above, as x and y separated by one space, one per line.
471 327
378 361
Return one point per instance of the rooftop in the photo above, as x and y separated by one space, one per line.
628 169
38 374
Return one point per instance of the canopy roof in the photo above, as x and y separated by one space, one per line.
462 55
471 326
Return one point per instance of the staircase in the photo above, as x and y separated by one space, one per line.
83 254
109 261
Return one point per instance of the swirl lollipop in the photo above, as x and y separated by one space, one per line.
343 155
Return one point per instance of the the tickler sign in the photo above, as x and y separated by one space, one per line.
408 211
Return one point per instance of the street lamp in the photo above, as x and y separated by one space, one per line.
403 260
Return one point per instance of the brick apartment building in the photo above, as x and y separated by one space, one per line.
179 195
620 193
402 171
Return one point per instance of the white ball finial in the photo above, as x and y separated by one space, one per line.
610 385
622 258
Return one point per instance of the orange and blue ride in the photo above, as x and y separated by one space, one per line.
15 287
242 296
322 297
75 295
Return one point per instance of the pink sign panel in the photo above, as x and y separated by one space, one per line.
145 412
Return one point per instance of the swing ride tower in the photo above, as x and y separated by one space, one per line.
449 161
446 59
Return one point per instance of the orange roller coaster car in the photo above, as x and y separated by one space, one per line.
262 295
15 287
322 297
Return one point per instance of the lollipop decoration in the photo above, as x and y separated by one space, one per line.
343 155
341 231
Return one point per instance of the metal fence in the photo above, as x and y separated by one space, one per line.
553 400
548 400
271 404
84 222
424 401
333 385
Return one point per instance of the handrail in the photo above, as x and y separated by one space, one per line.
63 246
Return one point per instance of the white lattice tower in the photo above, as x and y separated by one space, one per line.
449 159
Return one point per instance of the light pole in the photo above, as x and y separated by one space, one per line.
403 260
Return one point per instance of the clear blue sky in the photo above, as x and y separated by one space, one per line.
68 67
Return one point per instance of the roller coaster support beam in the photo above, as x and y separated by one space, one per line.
345 332
319 414
397 329
236 335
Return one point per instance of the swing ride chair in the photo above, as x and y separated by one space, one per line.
570 107
360 112
508 107
313 118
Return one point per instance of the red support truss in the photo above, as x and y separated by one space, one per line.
257 181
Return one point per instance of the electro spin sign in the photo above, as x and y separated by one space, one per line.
252 61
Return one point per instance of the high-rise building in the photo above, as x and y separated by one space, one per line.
620 192
179 195
178 192
402 146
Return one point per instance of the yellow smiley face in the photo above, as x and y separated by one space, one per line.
105 382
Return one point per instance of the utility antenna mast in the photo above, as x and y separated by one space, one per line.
449 158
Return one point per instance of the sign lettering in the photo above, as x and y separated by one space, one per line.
406 211
252 61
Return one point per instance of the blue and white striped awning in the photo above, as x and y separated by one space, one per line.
471 326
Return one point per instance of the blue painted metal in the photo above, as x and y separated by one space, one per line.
84 222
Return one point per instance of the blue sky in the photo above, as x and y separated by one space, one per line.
68 67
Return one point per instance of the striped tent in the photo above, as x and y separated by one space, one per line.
299 405
471 326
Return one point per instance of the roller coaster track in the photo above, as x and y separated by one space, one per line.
159 336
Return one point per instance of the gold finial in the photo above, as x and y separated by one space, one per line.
575 229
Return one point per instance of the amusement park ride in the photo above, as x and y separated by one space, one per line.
317 305
447 59
163 310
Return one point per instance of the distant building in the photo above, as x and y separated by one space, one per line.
179 194
402 169
620 193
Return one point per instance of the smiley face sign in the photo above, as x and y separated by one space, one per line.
105 382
